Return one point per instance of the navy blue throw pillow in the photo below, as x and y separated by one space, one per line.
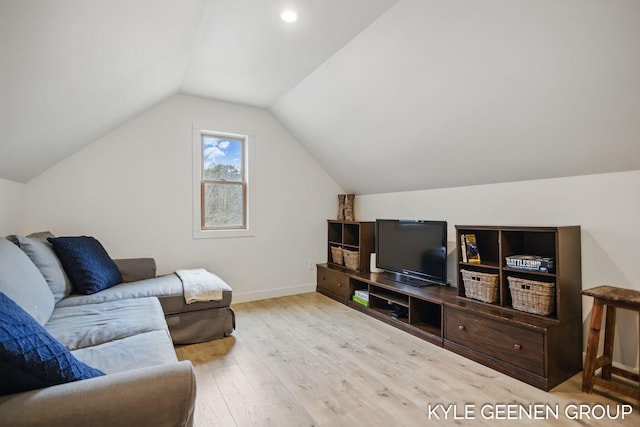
30 358
86 262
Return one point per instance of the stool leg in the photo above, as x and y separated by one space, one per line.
592 346
609 333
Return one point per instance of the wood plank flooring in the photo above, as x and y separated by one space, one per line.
306 360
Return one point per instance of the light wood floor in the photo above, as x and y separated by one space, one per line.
307 360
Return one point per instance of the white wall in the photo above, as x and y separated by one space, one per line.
606 206
11 207
132 190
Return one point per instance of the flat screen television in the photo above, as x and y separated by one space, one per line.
412 251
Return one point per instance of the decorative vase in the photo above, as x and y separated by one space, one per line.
341 199
348 207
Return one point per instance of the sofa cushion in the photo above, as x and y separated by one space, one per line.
134 269
41 235
157 287
94 324
86 262
42 255
30 358
204 325
148 349
21 281
177 304
167 288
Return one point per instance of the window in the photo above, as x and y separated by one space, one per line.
222 200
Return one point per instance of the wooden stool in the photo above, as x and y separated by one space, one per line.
613 298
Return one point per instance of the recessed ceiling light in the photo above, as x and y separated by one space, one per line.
289 16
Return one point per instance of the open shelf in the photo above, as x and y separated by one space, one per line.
531 241
496 243
357 237
485 264
423 306
386 313
391 297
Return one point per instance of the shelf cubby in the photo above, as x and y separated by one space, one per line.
495 243
355 236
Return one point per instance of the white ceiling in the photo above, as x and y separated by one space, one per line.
387 95
73 70
245 53
453 93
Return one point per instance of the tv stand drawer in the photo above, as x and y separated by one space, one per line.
501 340
333 282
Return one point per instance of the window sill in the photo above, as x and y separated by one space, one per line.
221 234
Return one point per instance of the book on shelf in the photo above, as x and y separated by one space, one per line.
362 293
463 247
473 256
359 300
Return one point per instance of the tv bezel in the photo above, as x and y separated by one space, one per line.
411 277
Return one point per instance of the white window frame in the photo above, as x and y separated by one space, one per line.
198 231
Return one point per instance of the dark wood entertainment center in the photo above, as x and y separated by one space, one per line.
541 350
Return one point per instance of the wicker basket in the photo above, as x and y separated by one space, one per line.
531 296
480 286
351 259
336 255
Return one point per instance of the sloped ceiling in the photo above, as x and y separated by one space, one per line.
73 70
387 95
454 93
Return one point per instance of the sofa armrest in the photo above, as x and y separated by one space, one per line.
134 269
160 395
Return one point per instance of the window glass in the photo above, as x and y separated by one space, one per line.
222 158
223 190
223 205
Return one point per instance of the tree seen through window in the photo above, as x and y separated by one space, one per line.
223 183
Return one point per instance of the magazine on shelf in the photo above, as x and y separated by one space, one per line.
473 256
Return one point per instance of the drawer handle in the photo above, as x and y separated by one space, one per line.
339 284
461 327
323 278
517 347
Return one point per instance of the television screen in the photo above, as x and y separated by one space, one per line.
413 249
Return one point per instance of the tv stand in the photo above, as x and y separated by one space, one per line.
408 280
541 350
417 310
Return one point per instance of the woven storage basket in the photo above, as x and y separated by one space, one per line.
336 254
480 286
351 259
531 296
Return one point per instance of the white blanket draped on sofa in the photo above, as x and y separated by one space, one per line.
201 285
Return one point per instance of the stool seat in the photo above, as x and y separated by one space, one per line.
620 296
612 298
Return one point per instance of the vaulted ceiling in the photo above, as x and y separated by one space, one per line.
387 95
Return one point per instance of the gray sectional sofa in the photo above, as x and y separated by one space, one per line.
188 323
127 332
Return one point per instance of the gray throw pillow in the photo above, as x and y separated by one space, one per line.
41 235
21 281
43 256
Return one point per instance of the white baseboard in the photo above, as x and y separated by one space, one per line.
273 293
